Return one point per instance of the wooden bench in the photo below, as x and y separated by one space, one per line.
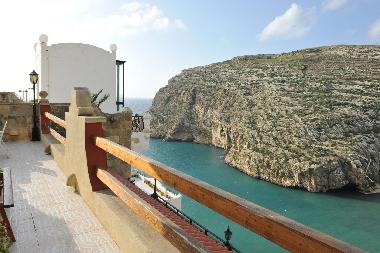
6 199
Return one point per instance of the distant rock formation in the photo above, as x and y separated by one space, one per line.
309 118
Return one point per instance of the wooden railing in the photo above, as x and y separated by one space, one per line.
56 120
59 122
286 233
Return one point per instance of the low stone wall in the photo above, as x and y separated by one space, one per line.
118 128
9 98
20 117
20 120
59 109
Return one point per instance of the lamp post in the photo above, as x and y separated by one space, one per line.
23 94
35 131
26 95
228 235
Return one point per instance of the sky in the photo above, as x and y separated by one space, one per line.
158 39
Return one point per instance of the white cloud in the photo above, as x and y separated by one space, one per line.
132 18
180 25
332 5
134 6
295 22
374 31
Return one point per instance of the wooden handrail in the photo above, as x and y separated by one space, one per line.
56 135
118 186
286 233
56 120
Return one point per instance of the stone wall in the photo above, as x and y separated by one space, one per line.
9 98
59 109
20 121
118 128
20 116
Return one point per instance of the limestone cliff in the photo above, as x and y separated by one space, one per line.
309 118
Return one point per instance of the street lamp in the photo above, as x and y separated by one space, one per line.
228 235
23 94
26 95
35 131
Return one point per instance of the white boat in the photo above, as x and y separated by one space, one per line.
147 185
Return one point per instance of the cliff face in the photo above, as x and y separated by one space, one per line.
309 118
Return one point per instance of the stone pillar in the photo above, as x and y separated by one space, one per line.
44 107
42 63
118 129
83 156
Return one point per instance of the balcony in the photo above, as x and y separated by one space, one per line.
49 216
109 205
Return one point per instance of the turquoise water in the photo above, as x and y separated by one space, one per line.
349 216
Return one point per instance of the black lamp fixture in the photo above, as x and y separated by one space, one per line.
33 77
35 131
228 235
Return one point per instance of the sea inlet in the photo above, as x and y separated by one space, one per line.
346 215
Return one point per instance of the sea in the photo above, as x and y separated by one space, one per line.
346 215
138 105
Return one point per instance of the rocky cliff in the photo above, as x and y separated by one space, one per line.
308 118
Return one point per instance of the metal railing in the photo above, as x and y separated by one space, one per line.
137 123
191 221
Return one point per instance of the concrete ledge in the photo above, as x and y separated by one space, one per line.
48 139
94 119
128 230
58 153
125 227
55 148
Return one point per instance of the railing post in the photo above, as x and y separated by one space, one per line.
82 127
154 195
44 107
96 157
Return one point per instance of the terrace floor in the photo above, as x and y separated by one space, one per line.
47 215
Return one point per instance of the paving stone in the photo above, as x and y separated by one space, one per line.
48 216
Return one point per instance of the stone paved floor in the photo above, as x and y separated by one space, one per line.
48 216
